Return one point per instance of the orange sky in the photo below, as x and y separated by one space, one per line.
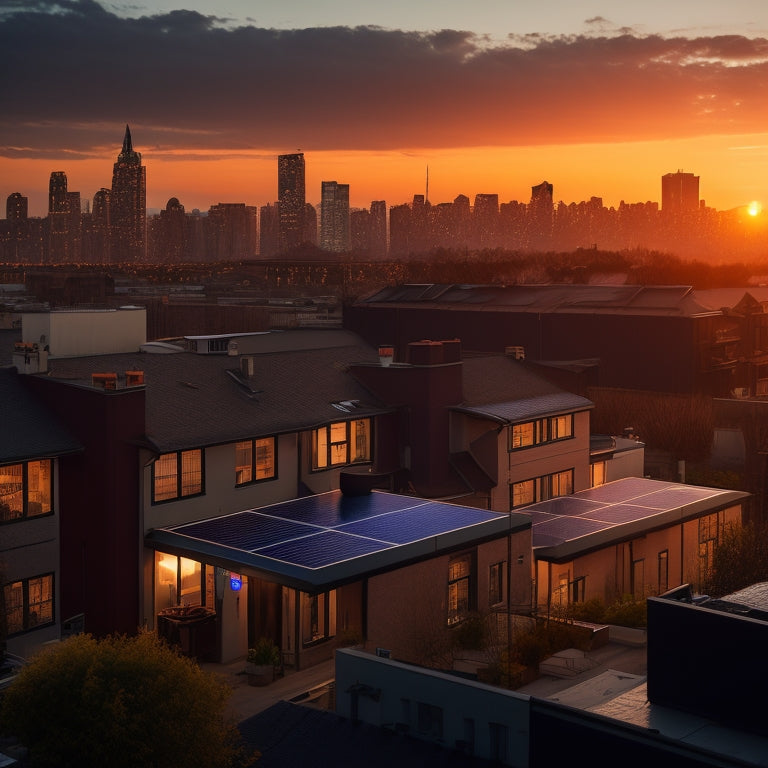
604 111
732 170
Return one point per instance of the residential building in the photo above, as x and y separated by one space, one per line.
33 443
128 206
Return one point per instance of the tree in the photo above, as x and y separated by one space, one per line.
739 560
120 701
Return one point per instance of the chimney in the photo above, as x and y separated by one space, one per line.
386 355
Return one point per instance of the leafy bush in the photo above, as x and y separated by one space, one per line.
592 611
264 653
122 702
627 612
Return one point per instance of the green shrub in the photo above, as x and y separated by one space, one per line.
627 612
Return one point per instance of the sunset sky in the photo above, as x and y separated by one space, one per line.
598 98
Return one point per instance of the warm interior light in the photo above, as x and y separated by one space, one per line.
754 208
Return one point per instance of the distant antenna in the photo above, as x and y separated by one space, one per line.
426 191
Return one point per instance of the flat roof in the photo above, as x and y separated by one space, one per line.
571 526
322 541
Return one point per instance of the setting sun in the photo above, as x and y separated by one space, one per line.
754 208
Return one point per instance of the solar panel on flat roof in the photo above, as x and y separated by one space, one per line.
316 540
246 530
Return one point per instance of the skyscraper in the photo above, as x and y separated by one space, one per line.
291 197
679 192
63 221
128 206
334 217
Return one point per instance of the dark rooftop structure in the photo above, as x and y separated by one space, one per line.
29 430
657 338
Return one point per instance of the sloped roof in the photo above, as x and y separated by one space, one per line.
196 400
29 430
506 390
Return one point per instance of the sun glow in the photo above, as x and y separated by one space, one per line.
754 208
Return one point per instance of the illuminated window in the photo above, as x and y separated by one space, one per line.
25 490
344 442
181 581
318 617
597 473
254 460
459 589
541 488
28 603
540 431
177 475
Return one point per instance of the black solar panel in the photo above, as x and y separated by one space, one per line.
330 528
321 549
246 530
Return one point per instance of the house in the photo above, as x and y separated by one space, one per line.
185 434
634 536
33 444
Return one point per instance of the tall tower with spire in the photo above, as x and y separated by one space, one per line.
128 206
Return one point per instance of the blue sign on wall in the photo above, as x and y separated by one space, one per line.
235 582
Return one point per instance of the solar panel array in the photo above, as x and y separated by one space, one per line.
330 528
624 501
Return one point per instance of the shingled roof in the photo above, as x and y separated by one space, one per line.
196 400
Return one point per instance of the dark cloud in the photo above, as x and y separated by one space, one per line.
74 74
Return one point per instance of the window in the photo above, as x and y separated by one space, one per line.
430 720
496 583
597 473
28 603
318 617
663 571
459 589
25 490
578 588
540 431
340 443
180 581
497 747
254 460
177 475
541 488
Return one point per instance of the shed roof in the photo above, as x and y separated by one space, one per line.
322 541
571 526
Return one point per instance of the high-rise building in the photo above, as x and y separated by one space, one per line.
128 206
63 221
378 235
269 230
679 193
334 217
16 207
291 196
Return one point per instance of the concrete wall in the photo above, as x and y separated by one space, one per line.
79 333
390 694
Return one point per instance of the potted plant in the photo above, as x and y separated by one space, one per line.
262 660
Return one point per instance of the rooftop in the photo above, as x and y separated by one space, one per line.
319 542
571 526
